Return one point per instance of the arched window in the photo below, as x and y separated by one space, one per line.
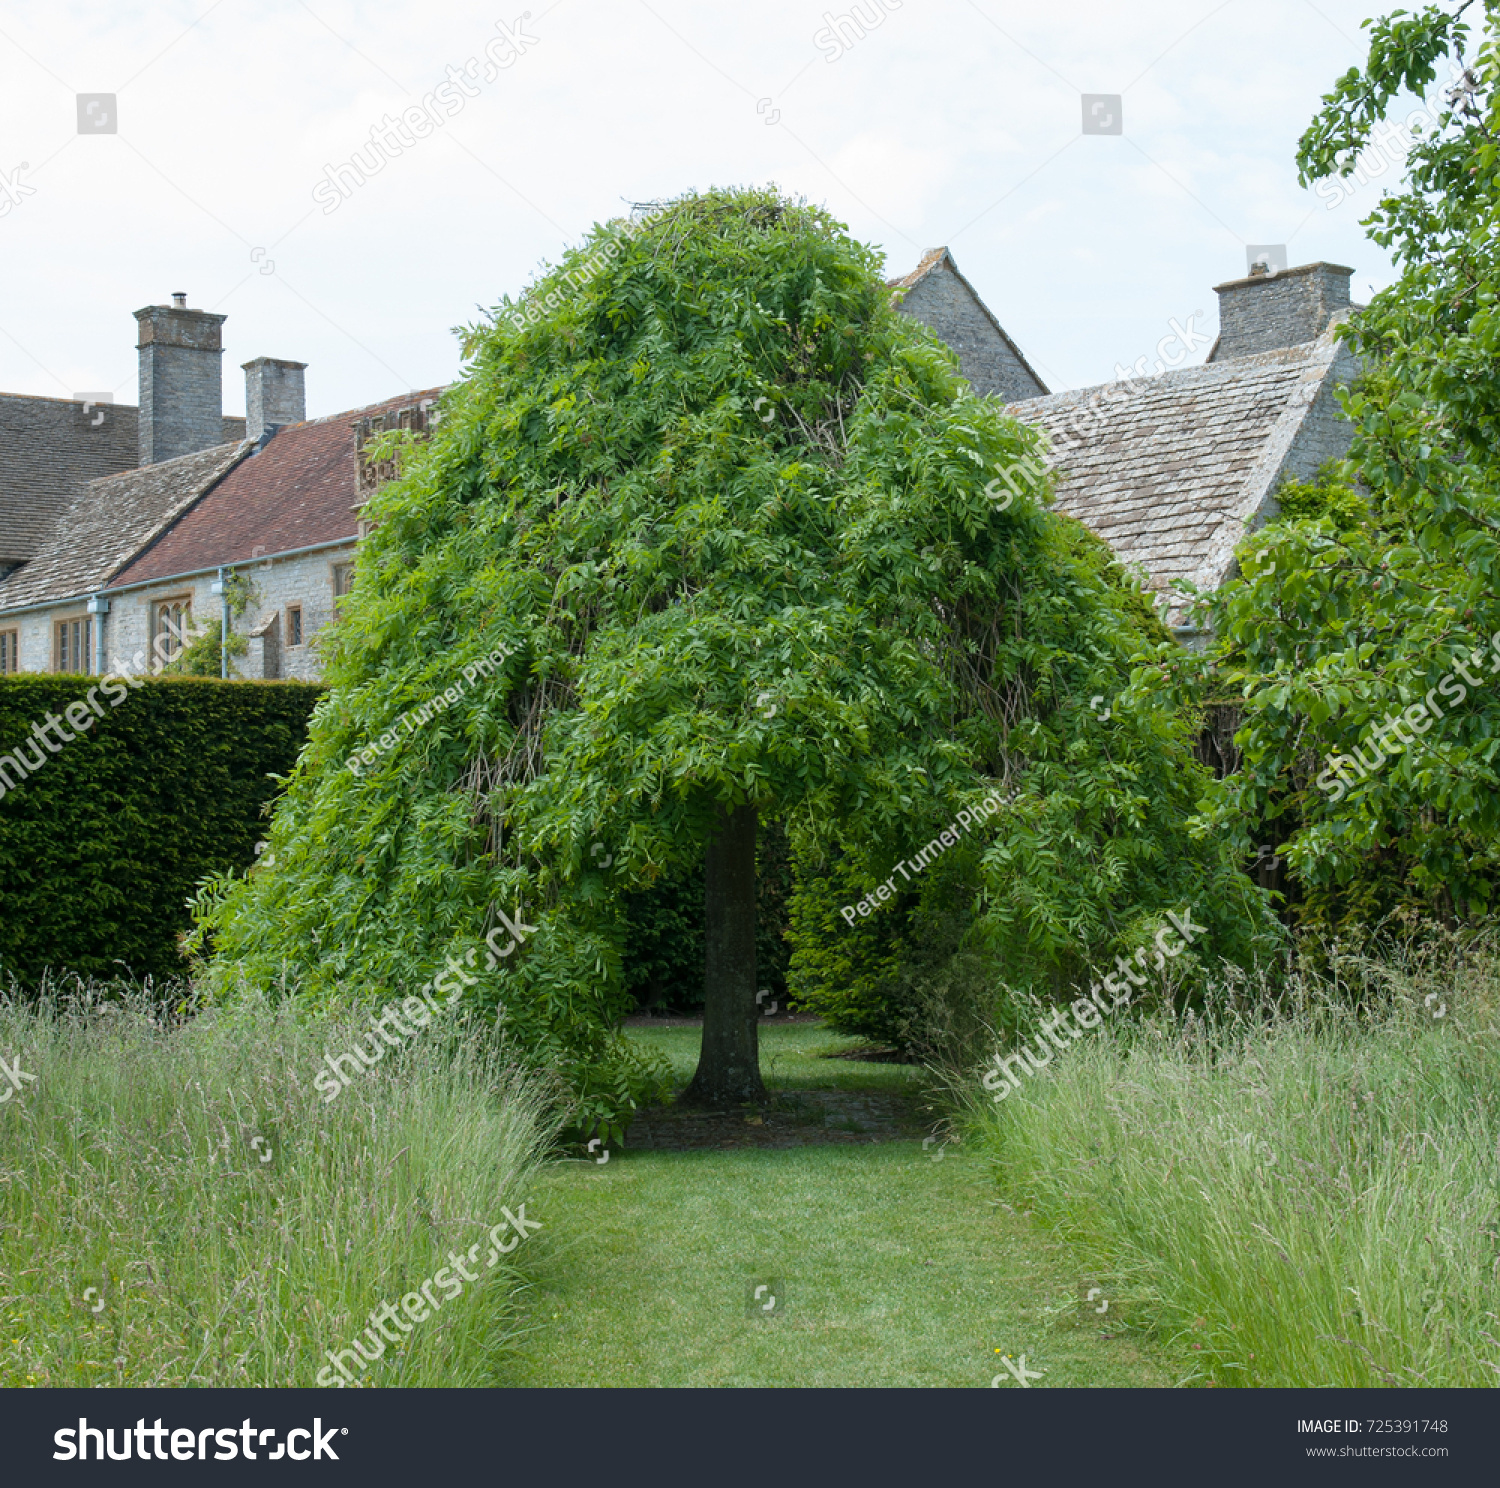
173 621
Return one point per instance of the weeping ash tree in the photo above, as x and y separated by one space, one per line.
746 547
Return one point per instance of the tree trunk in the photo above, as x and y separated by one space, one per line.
729 1064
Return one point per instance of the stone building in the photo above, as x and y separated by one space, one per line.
50 449
54 615
284 520
121 524
1173 469
936 294
118 525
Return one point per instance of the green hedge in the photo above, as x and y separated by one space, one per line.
101 847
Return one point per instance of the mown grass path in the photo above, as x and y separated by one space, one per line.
889 1266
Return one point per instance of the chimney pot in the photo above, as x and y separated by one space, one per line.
179 299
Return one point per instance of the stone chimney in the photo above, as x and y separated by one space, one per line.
275 395
1267 311
182 397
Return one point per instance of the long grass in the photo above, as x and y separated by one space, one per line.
180 1206
1304 1191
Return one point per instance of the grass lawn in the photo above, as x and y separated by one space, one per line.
180 1207
889 1266
793 1056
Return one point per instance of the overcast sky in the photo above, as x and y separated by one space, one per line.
952 121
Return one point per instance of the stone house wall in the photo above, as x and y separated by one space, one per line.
945 305
304 580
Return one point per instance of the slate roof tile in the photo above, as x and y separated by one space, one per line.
50 449
109 521
1170 469
193 514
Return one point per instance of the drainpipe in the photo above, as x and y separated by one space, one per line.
220 586
98 607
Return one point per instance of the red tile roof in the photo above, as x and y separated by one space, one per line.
298 491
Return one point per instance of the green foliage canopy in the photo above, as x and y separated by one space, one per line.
735 521
1091 848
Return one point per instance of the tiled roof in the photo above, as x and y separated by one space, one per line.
1169 470
50 449
109 522
925 265
297 491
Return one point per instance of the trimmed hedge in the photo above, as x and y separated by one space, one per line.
102 846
